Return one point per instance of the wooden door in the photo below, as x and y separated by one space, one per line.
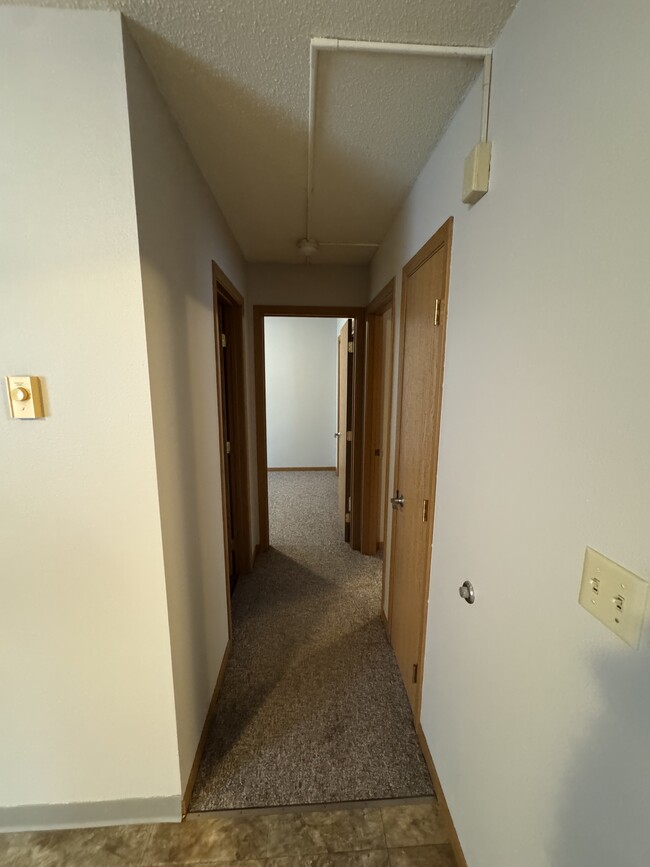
424 304
344 429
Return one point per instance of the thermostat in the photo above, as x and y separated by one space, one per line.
25 397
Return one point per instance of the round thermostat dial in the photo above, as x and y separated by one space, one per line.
20 394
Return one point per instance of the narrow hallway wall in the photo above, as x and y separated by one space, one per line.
536 715
87 729
180 231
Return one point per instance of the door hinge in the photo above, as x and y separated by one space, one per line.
348 436
425 511
223 340
436 312
347 518
415 673
350 345
227 448
349 504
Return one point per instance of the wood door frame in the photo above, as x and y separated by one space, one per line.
373 418
224 291
441 238
260 312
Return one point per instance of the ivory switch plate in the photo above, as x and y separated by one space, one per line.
25 398
614 596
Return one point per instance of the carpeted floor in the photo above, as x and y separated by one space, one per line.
312 709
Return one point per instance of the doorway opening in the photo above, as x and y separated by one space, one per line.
380 319
348 457
229 347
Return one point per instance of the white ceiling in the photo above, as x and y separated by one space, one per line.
235 74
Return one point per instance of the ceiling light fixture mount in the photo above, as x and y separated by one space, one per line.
307 247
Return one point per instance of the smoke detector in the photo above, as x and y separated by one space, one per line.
308 247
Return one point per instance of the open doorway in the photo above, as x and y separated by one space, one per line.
309 398
229 347
355 316
380 319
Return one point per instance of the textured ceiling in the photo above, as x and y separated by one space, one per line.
235 74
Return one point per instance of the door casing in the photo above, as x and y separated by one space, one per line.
226 294
375 388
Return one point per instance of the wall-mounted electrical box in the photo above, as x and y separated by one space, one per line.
25 397
614 596
476 177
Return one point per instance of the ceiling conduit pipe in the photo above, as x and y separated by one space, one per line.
320 43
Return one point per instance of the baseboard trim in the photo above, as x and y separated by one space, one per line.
90 814
301 469
384 620
256 551
204 732
442 801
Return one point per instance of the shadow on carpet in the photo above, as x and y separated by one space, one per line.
312 708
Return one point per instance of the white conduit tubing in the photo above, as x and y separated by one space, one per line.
319 43
345 244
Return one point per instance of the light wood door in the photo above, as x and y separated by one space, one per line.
344 428
424 297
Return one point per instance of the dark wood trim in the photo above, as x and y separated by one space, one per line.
187 795
228 287
384 300
301 469
342 312
358 374
442 801
373 416
222 460
441 238
260 428
225 291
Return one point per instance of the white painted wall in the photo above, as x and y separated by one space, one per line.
537 717
85 670
181 231
301 356
319 285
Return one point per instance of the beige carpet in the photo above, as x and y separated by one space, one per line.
312 708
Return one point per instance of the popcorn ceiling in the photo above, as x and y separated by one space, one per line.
235 74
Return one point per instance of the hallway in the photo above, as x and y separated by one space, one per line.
312 709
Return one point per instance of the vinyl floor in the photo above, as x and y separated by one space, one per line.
388 836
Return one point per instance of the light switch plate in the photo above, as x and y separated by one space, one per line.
614 596
25 397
